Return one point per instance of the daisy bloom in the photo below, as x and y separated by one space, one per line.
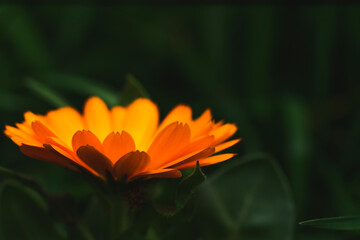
126 142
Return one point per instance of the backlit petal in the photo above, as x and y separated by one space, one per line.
97 117
83 138
118 115
65 122
180 113
209 160
117 144
227 144
223 132
168 143
141 121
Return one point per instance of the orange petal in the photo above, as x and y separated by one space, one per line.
159 173
95 159
47 155
168 143
193 159
31 117
21 137
117 145
65 122
180 113
41 130
223 132
84 137
118 116
202 125
59 146
130 164
227 144
190 150
141 121
209 161
97 117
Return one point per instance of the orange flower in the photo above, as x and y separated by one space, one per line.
127 142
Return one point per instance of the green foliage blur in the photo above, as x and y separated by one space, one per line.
288 76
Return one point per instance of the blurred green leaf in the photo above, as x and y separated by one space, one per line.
24 214
188 185
46 93
83 86
247 199
335 223
132 90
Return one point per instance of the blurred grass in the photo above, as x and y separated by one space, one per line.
287 76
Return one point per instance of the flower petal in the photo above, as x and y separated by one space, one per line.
117 145
223 132
65 122
168 143
83 138
130 164
41 130
208 161
47 155
202 125
141 121
20 137
193 159
118 115
95 159
227 144
190 150
181 114
97 117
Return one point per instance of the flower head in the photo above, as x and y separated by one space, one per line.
127 142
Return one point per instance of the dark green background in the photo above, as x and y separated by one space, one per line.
288 76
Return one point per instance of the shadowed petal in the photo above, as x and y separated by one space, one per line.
95 159
159 173
130 164
47 155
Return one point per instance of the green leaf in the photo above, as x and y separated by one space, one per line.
132 89
83 86
46 93
335 223
188 185
248 198
24 214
